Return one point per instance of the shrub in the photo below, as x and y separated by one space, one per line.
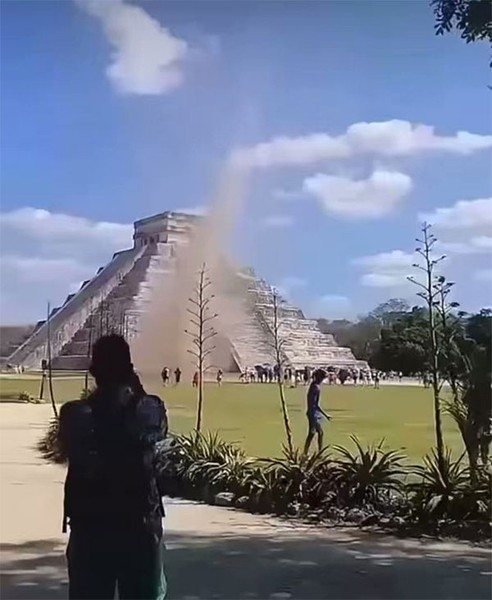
230 475
301 478
368 481
482 492
85 393
203 464
445 491
170 458
49 445
264 490
26 397
369 474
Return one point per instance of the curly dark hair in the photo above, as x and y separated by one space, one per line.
111 361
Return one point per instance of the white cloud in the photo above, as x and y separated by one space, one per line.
476 245
464 214
383 280
333 299
386 138
281 194
484 275
199 211
46 255
36 269
332 306
146 58
464 227
45 226
288 284
483 241
292 281
370 198
387 269
278 221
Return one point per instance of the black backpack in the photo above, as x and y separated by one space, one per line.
110 440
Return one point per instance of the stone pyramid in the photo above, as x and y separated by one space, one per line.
117 299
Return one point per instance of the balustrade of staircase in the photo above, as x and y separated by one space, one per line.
114 313
74 313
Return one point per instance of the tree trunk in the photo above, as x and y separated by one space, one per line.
434 363
41 387
200 401
50 373
285 414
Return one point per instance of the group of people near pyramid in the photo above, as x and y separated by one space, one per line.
295 377
166 377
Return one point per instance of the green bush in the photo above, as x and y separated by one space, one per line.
205 464
445 490
26 397
301 478
367 475
49 445
264 490
368 481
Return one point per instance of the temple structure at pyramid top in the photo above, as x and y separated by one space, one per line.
118 296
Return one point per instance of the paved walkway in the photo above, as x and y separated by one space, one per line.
220 553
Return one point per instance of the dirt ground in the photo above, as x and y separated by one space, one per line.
220 553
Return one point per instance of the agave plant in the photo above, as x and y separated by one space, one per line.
230 475
303 478
481 500
365 476
27 397
442 486
85 393
49 445
264 490
208 464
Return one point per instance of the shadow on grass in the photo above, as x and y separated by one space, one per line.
287 566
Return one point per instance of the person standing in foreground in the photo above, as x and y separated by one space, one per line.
112 500
314 412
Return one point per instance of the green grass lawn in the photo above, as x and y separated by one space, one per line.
250 414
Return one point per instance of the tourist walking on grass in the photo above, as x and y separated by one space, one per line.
113 503
165 376
376 379
315 413
220 375
177 375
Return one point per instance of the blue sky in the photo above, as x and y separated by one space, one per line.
114 111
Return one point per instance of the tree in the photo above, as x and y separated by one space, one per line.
466 364
202 332
388 311
362 337
403 345
479 328
429 293
472 18
278 345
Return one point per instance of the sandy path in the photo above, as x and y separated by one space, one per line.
220 553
